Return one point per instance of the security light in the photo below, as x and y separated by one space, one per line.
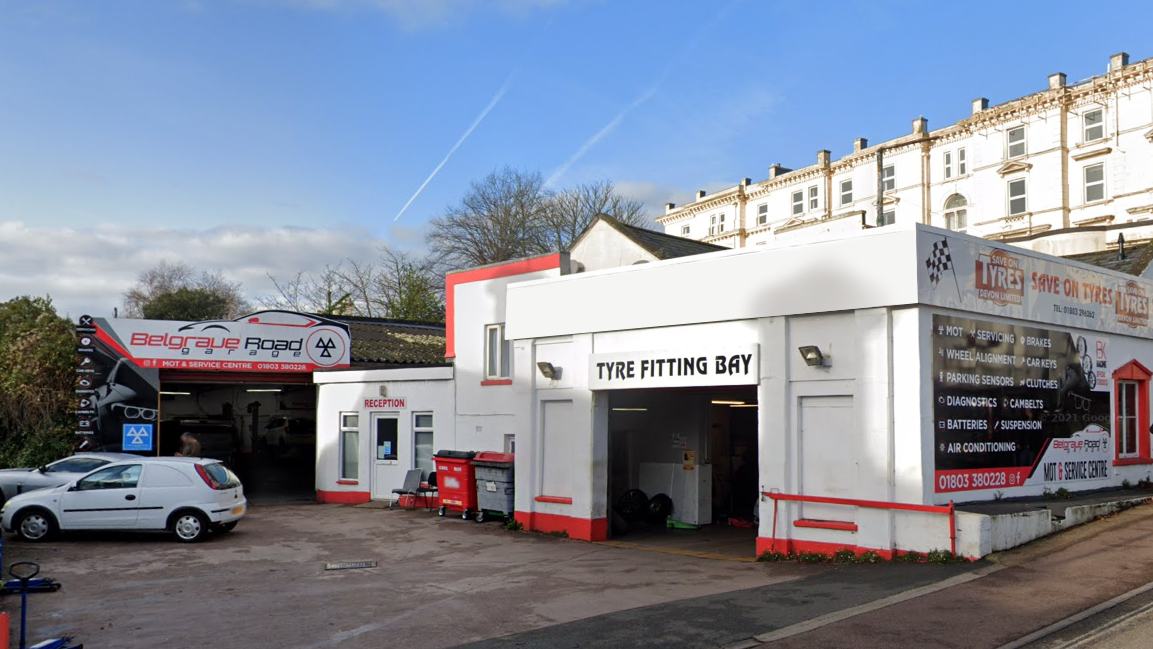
813 356
548 370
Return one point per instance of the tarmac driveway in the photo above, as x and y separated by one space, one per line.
439 583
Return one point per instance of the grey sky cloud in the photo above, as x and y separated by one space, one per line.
87 270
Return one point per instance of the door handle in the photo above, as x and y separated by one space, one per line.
130 497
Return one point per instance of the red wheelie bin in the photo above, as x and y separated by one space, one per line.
456 482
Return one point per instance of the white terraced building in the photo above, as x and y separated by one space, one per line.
1062 171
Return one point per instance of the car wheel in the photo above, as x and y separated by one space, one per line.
226 527
35 525
189 527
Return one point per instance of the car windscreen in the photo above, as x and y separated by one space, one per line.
222 476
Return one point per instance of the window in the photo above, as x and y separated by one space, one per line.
1094 124
349 446
1131 403
422 443
716 224
1015 141
956 213
962 168
125 476
510 443
1095 182
76 465
386 438
684 230
888 217
888 179
496 352
762 213
1017 203
948 164
798 203
813 202
846 192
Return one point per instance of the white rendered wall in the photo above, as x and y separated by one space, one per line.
605 247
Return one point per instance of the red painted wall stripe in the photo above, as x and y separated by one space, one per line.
343 497
451 280
584 529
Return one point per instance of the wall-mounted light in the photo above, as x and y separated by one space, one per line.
813 356
727 402
548 370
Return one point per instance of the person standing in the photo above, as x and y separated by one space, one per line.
189 446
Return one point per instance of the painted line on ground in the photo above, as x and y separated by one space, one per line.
1117 624
1070 621
845 614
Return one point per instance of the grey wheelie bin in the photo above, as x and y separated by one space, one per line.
494 484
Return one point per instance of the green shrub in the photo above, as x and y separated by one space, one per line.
772 557
513 525
845 555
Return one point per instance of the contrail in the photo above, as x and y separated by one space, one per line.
480 118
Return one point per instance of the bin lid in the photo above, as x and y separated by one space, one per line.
495 457
455 455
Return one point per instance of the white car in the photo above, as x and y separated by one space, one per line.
18 481
187 496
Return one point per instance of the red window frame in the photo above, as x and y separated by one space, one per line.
1139 374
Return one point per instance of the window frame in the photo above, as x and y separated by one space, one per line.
888 178
1009 196
1136 374
798 202
814 198
962 162
417 430
1086 185
504 354
345 427
1085 126
948 165
1009 143
888 217
956 211
846 197
763 214
684 230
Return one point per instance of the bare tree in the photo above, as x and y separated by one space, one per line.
410 288
324 292
572 210
501 217
175 284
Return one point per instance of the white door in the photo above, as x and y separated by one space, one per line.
388 464
828 454
106 499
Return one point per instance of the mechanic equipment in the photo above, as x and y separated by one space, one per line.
494 484
457 482
37 585
24 572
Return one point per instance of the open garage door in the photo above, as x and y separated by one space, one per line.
683 468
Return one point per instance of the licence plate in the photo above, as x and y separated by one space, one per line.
237 510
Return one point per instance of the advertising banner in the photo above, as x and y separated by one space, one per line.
962 273
677 368
267 341
1016 406
112 394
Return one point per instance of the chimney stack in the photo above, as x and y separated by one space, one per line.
860 144
745 182
670 207
700 194
777 170
1118 61
920 126
1056 80
980 104
823 158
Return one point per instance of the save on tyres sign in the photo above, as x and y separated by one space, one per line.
137 437
267 341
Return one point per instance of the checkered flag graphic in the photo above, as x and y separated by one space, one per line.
939 261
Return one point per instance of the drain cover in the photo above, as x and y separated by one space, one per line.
349 565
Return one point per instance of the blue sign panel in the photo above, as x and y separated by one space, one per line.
137 437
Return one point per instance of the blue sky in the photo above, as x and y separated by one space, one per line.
295 130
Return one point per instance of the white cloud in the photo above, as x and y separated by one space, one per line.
416 14
87 270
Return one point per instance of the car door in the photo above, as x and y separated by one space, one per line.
107 498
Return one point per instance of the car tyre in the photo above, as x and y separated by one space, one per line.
189 526
35 525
